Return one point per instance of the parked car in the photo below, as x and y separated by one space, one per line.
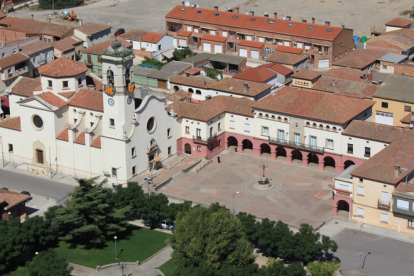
120 31
180 48
25 193
164 224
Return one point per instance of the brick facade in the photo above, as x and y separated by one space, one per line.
404 69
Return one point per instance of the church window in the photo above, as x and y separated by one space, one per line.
169 132
112 122
110 77
133 154
169 150
187 129
37 121
11 148
127 77
151 125
133 170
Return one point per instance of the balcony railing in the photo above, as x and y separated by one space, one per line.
296 145
203 140
384 204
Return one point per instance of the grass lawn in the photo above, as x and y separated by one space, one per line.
168 268
20 271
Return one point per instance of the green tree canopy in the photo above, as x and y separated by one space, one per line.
182 54
48 263
153 208
132 195
203 237
323 268
59 4
173 209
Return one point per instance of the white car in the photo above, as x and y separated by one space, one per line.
164 224
180 48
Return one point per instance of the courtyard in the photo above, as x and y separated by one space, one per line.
297 195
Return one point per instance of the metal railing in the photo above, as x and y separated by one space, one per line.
384 204
204 140
296 145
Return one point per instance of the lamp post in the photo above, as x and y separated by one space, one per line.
50 163
2 155
117 174
233 202
360 246
122 265
116 251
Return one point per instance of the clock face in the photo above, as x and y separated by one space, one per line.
111 101
129 101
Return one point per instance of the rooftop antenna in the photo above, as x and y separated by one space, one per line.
187 3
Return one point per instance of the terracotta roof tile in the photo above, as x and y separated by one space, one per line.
406 119
344 71
2 15
399 22
285 58
64 135
12 59
252 44
184 33
5 101
402 39
190 81
97 142
355 89
67 95
26 86
314 105
67 44
93 82
81 139
35 47
260 23
178 96
307 74
133 35
235 86
193 71
30 25
405 187
98 48
263 72
89 99
215 38
92 28
288 49
12 198
374 131
52 99
12 123
359 58
152 37
63 67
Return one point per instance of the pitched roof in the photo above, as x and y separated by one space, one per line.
397 88
92 28
64 135
381 168
252 44
405 187
215 38
263 72
2 14
288 49
206 110
12 59
285 58
406 119
35 47
178 96
4 101
29 25
399 22
401 39
225 58
88 99
152 37
80 139
355 89
193 71
133 35
170 69
345 73
314 105
63 67
307 74
25 86
235 86
11 123
12 198
360 58
98 48
52 99
184 33
97 142
250 22
67 95
393 58
67 44
374 131
189 81
94 81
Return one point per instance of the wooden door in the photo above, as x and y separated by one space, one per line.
89 59
39 155
162 84
188 148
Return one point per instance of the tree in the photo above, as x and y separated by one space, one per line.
90 216
48 263
323 268
153 208
39 233
203 237
59 4
171 211
249 224
132 195
183 53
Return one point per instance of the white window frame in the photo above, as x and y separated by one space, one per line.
297 138
313 138
265 130
248 37
213 32
187 129
199 148
299 45
247 127
189 29
286 43
232 124
384 217
307 46
360 212
261 39
281 134
344 187
361 190
328 142
196 29
224 33
400 204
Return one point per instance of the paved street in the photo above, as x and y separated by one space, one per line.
388 256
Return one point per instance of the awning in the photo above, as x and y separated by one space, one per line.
168 54
243 33
209 28
157 159
321 45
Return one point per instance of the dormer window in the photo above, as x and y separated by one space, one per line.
49 83
199 12
291 25
65 84
216 14
329 30
310 28
252 19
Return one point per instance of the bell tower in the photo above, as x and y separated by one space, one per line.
117 79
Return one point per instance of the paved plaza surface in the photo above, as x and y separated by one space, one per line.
298 194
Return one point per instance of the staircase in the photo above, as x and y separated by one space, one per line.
174 161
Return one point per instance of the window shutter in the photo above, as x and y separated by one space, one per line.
361 190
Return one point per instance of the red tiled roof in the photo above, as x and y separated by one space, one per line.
374 131
263 72
63 67
359 58
2 14
193 71
344 72
152 37
405 187
399 22
67 44
92 28
406 119
178 96
67 95
314 105
285 58
133 35
12 123
190 81
184 33
93 82
98 48
260 23
288 49
52 99
307 74
29 25
4 101
35 47
12 198
89 99
215 38
355 89
252 44
12 59
235 86
26 86
97 142
64 135
81 139
402 39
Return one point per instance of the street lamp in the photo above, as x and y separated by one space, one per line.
122 265
116 252
263 166
360 246
233 202
36 253
2 155
117 174
148 179
50 163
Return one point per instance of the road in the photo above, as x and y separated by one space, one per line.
35 185
388 256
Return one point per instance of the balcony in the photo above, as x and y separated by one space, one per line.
296 145
202 140
403 202
384 205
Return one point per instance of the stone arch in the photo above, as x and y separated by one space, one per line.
247 144
296 154
232 141
313 158
39 153
190 90
198 92
343 205
264 148
187 148
176 88
267 116
273 117
280 151
329 162
348 163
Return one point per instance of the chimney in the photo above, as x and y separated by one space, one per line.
251 12
266 15
303 20
313 20
183 3
32 17
246 87
237 10
216 8
193 64
397 171
288 18
327 23
275 15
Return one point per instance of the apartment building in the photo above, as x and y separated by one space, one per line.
321 42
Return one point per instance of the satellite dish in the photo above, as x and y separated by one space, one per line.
411 126
284 18
247 13
187 3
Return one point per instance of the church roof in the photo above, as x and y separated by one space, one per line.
63 67
52 99
88 99
97 142
64 135
25 86
12 123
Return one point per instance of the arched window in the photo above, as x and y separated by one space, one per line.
328 128
314 125
260 115
307 124
127 77
198 92
285 119
190 90
273 117
110 77
176 88
279 118
334 129
267 116
321 126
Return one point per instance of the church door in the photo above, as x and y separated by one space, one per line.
39 155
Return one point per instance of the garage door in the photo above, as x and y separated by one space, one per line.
323 63
254 54
384 118
243 52
183 42
207 47
218 49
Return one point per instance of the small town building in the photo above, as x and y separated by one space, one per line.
214 44
397 24
13 205
305 78
251 49
238 88
345 73
294 62
388 62
271 73
397 42
39 53
198 87
160 79
13 66
228 63
363 60
69 47
92 33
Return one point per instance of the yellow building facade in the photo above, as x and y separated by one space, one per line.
388 108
